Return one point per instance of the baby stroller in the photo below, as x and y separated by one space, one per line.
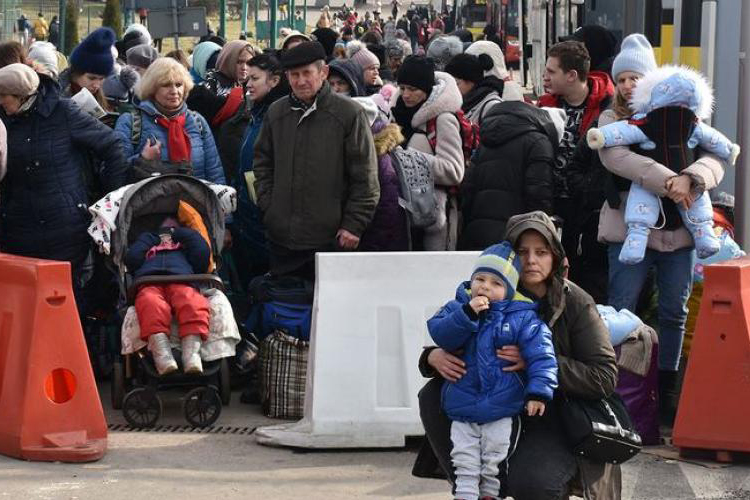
135 381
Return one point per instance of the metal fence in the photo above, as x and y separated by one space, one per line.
89 16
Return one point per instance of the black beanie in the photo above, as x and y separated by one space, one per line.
418 72
469 67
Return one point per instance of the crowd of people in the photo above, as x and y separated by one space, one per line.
311 136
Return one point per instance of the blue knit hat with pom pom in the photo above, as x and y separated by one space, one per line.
94 53
502 261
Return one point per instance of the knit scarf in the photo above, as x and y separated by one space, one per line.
403 116
178 140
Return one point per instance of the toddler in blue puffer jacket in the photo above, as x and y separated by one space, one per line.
486 315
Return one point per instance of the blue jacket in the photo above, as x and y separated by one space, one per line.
204 156
43 197
191 258
486 393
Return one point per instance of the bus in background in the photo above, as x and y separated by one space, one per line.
477 15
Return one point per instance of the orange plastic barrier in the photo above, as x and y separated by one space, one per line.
714 403
49 405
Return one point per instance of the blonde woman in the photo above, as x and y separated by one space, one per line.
161 134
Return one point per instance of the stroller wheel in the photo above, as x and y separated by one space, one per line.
202 406
225 382
142 407
118 384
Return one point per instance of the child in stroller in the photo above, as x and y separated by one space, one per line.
174 250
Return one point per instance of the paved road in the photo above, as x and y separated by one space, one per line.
189 466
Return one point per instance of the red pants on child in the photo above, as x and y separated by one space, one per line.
154 305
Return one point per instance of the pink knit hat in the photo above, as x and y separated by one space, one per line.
359 54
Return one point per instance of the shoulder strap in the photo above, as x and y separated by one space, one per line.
136 127
198 122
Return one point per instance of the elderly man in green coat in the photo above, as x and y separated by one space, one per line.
315 167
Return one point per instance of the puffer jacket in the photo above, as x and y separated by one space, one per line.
388 231
487 393
511 172
706 173
192 257
209 96
447 159
43 196
204 157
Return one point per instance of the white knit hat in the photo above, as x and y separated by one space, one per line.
493 50
636 55
44 53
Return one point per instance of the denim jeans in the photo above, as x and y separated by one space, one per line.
674 279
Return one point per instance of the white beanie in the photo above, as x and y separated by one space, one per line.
45 54
493 50
636 55
558 117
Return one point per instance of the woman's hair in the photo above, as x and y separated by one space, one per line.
180 56
620 106
99 95
12 52
161 72
268 63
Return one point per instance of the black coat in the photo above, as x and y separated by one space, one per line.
43 198
510 174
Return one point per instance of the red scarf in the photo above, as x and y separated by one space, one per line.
231 105
178 141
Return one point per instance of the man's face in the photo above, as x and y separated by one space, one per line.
306 81
555 80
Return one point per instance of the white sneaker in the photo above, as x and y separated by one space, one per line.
161 350
191 354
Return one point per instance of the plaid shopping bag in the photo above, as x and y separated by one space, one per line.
283 361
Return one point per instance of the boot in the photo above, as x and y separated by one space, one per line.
191 354
161 351
667 397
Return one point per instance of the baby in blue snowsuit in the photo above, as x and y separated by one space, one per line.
486 315
680 87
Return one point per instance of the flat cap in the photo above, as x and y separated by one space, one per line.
302 55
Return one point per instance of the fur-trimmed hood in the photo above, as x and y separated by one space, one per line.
387 138
671 85
444 98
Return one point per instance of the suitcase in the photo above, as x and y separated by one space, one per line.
641 397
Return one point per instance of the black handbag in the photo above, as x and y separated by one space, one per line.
599 429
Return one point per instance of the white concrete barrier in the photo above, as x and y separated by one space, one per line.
368 330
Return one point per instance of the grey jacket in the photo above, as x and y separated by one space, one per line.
706 173
316 171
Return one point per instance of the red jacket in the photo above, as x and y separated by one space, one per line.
601 91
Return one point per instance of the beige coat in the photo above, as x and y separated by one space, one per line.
447 158
706 173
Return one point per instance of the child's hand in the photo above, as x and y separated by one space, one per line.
535 408
479 303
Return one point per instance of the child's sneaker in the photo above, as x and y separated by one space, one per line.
161 351
191 354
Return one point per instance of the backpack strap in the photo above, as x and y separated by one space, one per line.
136 127
198 122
